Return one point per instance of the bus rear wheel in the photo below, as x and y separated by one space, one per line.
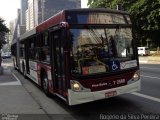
24 70
45 85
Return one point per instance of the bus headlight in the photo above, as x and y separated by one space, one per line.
76 86
136 76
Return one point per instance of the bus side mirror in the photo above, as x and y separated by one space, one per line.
65 34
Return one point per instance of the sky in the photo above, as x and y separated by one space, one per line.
84 3
8 9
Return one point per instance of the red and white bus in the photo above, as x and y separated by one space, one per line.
81 55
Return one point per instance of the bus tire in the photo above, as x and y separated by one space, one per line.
14 65
45 85
24 70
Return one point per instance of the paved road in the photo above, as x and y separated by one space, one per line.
150 74
141 104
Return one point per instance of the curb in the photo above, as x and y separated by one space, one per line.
155 60
150 62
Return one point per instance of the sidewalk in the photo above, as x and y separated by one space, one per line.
7 78
149 60
14 99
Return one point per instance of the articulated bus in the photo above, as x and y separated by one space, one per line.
81 55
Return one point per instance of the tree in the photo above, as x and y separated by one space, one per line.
125 5
3 31
145 13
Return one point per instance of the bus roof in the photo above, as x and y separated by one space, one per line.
27 34
57 18
60 17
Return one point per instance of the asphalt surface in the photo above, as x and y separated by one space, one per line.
150 74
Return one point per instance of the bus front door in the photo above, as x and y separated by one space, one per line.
58 73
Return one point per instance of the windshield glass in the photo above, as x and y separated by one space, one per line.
92 49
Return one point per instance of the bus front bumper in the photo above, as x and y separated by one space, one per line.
83 97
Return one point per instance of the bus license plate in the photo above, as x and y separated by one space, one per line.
110 94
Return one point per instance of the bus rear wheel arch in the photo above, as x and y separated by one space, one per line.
45 83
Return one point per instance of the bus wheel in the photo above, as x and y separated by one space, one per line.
24 70
14 65
45 85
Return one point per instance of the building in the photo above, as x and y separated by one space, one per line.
51 7
40 10
27 20
16 30
12 25
24 7
33 12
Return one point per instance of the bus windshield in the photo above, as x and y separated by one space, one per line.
93 48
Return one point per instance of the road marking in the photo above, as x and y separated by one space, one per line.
151 68
16 78
146 96
12 83
151 77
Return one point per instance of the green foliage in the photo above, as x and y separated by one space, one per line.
3 27
125 5
145 14
3 30
98 3
148 14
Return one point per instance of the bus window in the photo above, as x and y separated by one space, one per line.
31 49
123 38
34 48
45 56
22 53
91 48
45 51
